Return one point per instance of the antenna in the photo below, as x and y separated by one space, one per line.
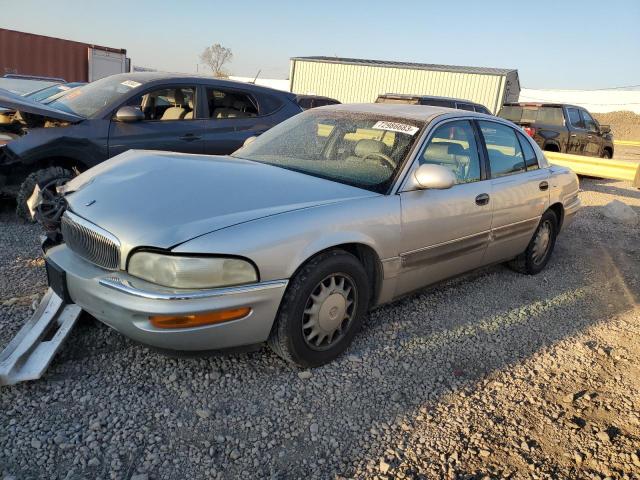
256 77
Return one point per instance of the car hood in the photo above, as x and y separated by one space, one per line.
12 101
162 199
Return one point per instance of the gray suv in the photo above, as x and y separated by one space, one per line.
149 110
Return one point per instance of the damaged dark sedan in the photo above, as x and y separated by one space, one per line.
150 110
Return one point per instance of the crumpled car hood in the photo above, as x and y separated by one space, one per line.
162 199
12 101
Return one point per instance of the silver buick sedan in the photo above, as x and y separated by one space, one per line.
294 237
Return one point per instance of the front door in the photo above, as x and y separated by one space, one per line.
445 232
520 190
170 123
594 140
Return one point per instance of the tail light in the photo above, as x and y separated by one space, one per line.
531 131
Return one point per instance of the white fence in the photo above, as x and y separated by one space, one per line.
599 101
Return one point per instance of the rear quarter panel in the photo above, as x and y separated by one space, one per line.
565 189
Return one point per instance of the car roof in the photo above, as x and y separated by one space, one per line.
421 113
149 77
429 97
540 104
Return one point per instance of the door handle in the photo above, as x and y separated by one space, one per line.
543 186
189 137
482 199
588 136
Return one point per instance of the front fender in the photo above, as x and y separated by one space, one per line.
279 244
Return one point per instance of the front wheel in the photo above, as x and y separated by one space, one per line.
322 310
606 154
533 260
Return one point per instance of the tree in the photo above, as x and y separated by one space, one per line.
215 57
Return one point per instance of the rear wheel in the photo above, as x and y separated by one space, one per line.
533 260
606 154
322 310
48 178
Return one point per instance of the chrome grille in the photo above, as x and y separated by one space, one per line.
90 241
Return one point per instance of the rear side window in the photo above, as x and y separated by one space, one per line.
437 103
575 118
503 147
230 104
464 106
267 104
530 158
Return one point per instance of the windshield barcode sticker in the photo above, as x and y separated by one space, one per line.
131 83
396 127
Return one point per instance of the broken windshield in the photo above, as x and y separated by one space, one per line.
359 149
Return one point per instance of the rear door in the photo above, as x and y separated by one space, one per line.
170 122
520 190
235 115
445 232
577 143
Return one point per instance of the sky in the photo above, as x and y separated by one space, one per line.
568 44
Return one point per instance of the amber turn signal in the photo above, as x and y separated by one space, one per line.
198 319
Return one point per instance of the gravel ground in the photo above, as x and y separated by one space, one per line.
494 375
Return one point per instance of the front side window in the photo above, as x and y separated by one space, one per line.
453 146
230 104
359 149
169 103
575 118
89 99
589 123
503 148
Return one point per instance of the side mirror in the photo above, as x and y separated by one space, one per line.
605 129
436 177
129 114
249 141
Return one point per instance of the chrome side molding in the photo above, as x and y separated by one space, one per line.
127 287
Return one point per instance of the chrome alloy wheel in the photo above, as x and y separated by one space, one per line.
542 242
329 311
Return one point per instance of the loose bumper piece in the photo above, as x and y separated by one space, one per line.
30 352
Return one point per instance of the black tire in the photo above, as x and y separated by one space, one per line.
287 338
606 154
529 262
41 177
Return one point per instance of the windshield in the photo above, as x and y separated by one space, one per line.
359 149
50 92
93 97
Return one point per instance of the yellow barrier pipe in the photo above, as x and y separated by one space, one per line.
630 143
627 170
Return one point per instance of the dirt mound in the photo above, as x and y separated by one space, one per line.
624 125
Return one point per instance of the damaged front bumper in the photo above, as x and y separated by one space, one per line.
126 304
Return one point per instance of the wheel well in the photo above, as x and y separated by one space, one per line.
369 259
558 209
608 149
551 147
64 162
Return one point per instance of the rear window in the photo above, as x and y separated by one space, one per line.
533 114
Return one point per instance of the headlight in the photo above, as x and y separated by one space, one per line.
191 272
